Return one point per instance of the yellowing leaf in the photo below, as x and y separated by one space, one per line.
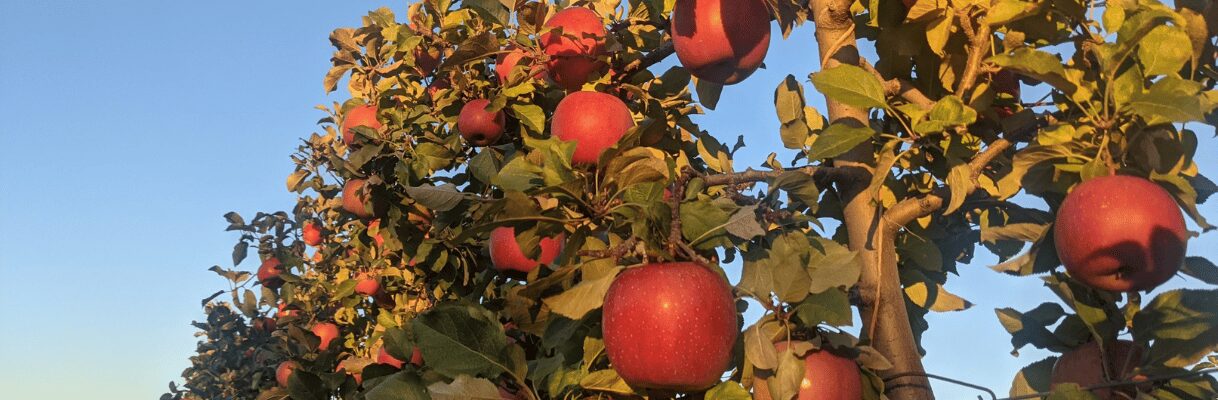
936 299
586 296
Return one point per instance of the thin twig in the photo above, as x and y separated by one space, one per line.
821 174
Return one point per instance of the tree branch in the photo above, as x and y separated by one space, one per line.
652 58
899 87
911 209
823 175
979 44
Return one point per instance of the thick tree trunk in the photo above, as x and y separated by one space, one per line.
885 321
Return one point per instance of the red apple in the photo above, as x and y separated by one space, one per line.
827 376
478 126
327 332
268 273
721 41
383 357
375 225
1120 233
284 372
507 256
311 234
286 311
364 115
573 53
355 197
368 285
1005 82
263 325
1084 366
505 62
594 121
669 326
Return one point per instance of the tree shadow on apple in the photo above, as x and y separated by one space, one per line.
1132 265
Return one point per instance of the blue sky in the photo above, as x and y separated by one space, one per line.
130 127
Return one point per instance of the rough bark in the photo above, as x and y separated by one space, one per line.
882 306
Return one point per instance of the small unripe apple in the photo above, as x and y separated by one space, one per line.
573 53
507 256
355 197
669 326
284 372
594 121
721 41
327 332
827 376
364 115
268 273
368 285
1084 366
478 126
311 234
1120 233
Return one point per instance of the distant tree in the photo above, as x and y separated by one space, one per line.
513 204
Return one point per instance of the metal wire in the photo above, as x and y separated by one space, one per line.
1042 395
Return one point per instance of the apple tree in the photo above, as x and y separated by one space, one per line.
517 201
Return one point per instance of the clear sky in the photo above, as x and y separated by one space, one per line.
130 127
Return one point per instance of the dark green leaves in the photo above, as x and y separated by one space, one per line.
1038 64
948 112
461 339
400 386
492 10
794 266
1183 325
1164 50
789 104
1202 269
850 85
439 198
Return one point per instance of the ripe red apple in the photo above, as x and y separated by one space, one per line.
478 126
1120 233
263 325
721 41
505 62
383 357
669 326
375 225
284 372
1005 82
507 256
368 285
594 121
311 234
364 115
286 311
354 198
268 273
1084 366
573 53
827 376
327 332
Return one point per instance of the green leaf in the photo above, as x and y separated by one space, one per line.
1003 12
1164 50
440 198
730 390
960 182
789 104
1183 325
787 377
1201 268
1037 64
744 224
304 385
851 85
1159 106
296 178
492 10
1033 378
831 307
758 345
606 380
637 165
702 223
947 113
532 116
519 175
1024 232
465 387
708 93
1071 391
837 139
461 339
831 265
400 386
782 268
580 299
